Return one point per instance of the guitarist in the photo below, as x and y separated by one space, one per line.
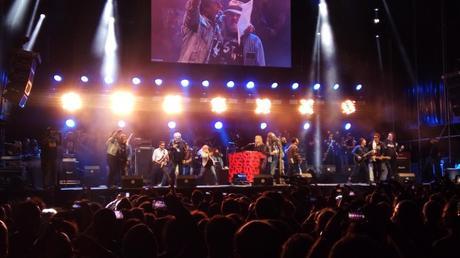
376 170
160 159
360 156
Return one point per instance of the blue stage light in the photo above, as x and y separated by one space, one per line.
136 80
230 84
359 87
250 85
171 124
158 82
205 83
317 86
263 126
347 126
275 85
121 124
84 79
70 123
185 83
57 78
295 86
306 125
218 125
336 86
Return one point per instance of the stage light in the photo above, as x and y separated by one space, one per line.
306 125
336 86
122 103
121 124
205 83
263 106
359 87
185 83
70 123
172 104
84 79
295 86
33 38
108 79
306 106
250 85
376 20
348 107
377 36
218 125
136 80
57 78
171 124
218 105
376 9
317 86
158 82
275 85
71 101
263 126
230 84
347 126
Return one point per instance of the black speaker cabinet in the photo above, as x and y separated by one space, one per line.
128 182
263 180
69 174
143 162
92 176
403 165
186 181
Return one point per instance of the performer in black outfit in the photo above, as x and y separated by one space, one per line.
360 157
49 157
376 166
391 150
177 151
294 158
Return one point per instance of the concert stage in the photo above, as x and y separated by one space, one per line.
65 196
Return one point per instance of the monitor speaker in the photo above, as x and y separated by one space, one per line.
186 181
405 178
263 180
132 182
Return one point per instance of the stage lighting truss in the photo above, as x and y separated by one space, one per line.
219 105
172 104
263 106
71 102
307 107
122 103
348 107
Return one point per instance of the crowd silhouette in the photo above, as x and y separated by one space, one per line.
388 220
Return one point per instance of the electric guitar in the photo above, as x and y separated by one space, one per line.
360 158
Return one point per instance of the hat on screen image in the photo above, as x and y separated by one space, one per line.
234 6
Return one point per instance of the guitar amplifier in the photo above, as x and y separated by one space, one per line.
69 174
403 165
263 180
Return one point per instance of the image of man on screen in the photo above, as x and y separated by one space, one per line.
199 30
238 47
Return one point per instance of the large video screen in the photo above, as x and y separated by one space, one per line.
222 32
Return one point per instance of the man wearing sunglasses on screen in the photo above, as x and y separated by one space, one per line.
199 30
238 45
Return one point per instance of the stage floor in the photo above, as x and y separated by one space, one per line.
65 196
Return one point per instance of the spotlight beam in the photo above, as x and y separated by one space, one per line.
29 45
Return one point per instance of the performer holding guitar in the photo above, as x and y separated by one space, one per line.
160 159
360 156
